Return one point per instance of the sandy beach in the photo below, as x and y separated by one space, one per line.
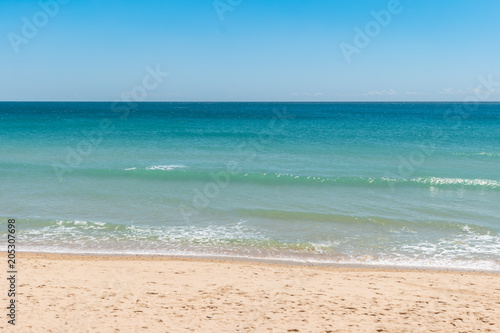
69 293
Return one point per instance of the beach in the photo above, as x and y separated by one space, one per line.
88 293
250 217
250 166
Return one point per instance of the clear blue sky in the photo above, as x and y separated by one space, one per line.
263 50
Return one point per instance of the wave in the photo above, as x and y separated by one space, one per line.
179 172
463 248
160 167
81 233
487 154
352 220
435 181
182 173
242 230
166 167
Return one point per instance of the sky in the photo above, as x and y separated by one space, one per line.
249 50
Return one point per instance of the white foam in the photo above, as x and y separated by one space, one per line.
166 167
468 250
483 153
457 181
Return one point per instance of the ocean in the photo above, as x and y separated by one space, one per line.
383 184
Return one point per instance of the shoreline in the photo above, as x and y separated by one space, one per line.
81 293
264 261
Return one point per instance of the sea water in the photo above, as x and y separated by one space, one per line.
393 184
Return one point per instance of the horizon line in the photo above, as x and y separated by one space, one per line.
97 101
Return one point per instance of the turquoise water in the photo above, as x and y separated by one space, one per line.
404 184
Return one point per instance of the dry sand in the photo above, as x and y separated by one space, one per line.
65 293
